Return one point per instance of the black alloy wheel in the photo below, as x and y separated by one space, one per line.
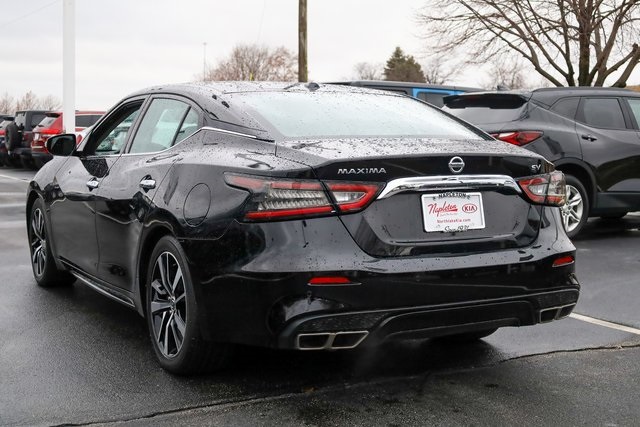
172 315
44 269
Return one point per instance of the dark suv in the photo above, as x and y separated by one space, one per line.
26 121
590 134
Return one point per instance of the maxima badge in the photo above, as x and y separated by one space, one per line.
456 164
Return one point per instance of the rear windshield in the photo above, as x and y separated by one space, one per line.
20 118
47 122
335 114
486 109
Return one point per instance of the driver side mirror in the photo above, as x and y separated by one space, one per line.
62 145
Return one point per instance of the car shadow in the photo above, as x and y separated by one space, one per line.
600 228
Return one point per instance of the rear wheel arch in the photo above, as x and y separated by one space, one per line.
150 240
583 175
31 199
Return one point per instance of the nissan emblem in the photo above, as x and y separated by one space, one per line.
456 164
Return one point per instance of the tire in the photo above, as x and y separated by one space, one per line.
43 265
468 336
14 162
172 315
38 163
27 163
575 212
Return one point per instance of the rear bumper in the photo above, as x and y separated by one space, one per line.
252 285
351 329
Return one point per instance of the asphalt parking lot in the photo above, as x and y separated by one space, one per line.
71 356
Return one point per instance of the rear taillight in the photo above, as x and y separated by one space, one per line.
519 137
275 198
548 189
564 260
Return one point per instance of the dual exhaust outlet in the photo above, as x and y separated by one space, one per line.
330 340
554 313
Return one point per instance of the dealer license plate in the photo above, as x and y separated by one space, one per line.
452 212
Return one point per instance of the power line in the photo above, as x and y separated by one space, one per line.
20 18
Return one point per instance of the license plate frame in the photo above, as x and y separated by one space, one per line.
452 212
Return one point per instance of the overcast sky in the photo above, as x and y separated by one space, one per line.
125 45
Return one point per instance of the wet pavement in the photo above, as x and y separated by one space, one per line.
71 356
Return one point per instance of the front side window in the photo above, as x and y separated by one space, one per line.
336 114
603 113
160 125
111 137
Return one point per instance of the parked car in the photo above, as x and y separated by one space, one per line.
591 134
26 121
433 94
300 216
51 125
4 155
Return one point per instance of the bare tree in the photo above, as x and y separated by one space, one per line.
368 71
29 101
437 71
253 62
7 103
572 42
49 102
507 74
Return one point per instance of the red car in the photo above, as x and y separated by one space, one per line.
52 125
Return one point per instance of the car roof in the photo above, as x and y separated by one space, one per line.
549 96
207 89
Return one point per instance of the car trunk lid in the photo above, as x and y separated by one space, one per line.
438 196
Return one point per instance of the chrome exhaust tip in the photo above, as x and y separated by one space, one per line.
343 340
550 314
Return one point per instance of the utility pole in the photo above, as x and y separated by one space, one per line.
69 65
204 62
302 41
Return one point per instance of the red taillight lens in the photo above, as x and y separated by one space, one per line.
330 280
564 260
518 138
548 189
275 198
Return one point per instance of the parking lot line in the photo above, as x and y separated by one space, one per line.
604 323
14 178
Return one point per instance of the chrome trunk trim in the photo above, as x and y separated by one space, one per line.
449 182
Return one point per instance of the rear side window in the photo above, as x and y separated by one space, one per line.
635 108
432 98
159 126
566 107
86 120
487 109
602 113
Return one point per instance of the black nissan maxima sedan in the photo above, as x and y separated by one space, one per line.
300 216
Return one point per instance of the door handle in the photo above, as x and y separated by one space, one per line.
148 183
93 183
588 137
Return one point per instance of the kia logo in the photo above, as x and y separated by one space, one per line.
456 164
469 208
